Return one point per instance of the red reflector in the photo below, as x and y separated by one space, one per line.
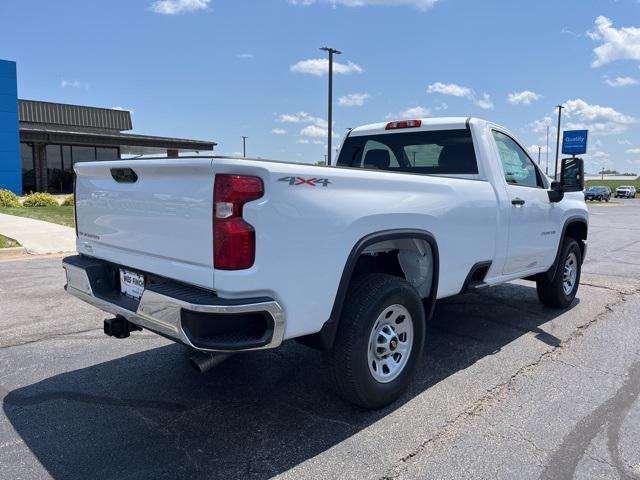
234 238
403 124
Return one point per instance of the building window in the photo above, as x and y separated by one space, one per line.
28 168
83 154
54 168
104 153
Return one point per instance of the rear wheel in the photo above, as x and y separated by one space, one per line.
379 340
559 291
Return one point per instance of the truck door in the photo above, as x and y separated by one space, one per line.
532 230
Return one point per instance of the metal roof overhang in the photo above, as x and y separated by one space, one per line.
111 139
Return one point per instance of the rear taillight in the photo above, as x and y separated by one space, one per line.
234 239
403 124
75 204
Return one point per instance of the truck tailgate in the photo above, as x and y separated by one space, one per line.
158 220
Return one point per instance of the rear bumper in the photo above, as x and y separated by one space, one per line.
186 314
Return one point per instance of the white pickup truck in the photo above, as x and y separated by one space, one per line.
230 255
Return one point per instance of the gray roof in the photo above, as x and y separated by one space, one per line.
74 115
67 135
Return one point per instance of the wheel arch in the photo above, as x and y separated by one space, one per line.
577 228
325 337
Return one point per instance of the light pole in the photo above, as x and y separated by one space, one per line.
244 146
555 172
539 150
331 52
547 172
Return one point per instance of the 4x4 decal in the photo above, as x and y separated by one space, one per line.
305 181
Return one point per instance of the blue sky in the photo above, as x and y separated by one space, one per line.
219 69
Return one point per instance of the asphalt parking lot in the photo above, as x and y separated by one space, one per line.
506 389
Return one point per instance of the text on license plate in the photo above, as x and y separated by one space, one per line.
131 283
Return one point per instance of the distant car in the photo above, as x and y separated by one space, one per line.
598 193
626 191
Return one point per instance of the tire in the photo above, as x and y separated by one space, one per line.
551 292
360 374
607 199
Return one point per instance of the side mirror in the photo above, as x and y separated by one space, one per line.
556 193
572 175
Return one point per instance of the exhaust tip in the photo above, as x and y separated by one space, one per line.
203 362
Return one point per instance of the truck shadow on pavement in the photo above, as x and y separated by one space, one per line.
150 415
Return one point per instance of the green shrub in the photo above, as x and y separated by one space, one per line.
40 199
9 199
68 202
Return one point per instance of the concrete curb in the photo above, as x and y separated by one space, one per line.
12 252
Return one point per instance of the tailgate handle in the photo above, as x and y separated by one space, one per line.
124 175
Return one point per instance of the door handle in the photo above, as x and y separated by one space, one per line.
517 202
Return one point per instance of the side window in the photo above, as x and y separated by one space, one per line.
518 168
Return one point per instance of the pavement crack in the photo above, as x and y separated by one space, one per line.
50 337
496 393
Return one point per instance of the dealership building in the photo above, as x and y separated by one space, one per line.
41 141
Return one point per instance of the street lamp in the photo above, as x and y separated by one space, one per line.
539 150
244 146
331 52
555 173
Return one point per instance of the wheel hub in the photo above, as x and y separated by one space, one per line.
570 273
390 343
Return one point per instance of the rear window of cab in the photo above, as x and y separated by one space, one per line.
441 152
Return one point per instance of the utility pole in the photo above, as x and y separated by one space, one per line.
539 150
244 146
555 173
331 52
547 150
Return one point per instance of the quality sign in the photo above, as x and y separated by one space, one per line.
574 142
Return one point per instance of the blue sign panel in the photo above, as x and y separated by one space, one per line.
574 142
10 176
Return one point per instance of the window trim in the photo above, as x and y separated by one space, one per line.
539 173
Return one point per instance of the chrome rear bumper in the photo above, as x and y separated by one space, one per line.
164 314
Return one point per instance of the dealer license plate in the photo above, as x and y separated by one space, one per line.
131 283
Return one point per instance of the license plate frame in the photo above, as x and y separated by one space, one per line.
131 284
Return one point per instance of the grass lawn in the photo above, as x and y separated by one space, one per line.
59 215
7 242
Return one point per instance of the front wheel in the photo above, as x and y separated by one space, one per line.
379 340
559 291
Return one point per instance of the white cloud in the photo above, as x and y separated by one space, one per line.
616 44
301 117
320 66
525 97
533 149
74 84
570 32
245 56
597 119
353 99
413 112
450 89
303 141
441 106
621 82
632 150
314 131
174 7
419 4
279 131
317 142
485 102
624 141
118 107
